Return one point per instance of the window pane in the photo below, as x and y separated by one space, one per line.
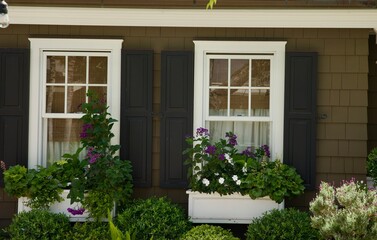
218 102
260 73
239 102
101 92
63 136
54 99
249 134
75 98
98 70
218 74
260 102
76 69
239 72
55 69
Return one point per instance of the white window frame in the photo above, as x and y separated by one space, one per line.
276 50
37 92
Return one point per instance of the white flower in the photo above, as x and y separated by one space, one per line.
235 177
244 168
227 157
216 174
238 182
221 180
205 181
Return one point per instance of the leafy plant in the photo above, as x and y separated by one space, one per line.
102 175
90 231
345 212
372 165
284 224
208 232
219 167
41 186
39 225
116 234
153 217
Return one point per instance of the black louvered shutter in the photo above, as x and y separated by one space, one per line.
14 106
136 114
177 77
300 115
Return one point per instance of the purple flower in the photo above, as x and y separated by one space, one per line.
92 155
202 132
266 150
85 128
79 211
222 157
248 153
210 150
232 138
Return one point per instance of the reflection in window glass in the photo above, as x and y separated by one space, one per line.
218 102
76 96
260 73
54 99
98 70
260 102
76 69
239 72
239 102
55 69
218 74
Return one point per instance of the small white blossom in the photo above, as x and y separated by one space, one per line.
205 181
216 174
221 180
235 177
238 182
244 168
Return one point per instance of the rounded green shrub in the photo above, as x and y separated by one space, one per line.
90 231
283 224
39 224
208 232
153 217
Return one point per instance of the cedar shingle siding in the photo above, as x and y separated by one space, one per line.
342 88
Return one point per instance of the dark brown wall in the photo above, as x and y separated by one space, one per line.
372 94
202 3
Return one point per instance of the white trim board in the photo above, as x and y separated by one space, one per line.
248 18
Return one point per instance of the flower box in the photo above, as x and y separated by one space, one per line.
234 208
61 207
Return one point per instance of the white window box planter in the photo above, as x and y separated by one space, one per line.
61 207
235 208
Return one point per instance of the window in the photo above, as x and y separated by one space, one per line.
62 71
239 87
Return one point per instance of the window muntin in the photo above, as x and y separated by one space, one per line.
68 77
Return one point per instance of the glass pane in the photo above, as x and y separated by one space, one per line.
55 69
249 134
76 96
260 102
218 74
218 102
239 72
98 70
260 73
76 69
101 92
239 102
63 136
54 99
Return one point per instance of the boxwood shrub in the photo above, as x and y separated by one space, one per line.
286 224
90 231
208 232
39 224
153 217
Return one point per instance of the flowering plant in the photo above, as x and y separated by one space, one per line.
345 212
220 167
102 176
372 165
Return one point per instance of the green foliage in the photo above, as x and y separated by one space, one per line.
210 4
219 167
42 185
102 174
345 213
372 165
208 232
90 231
287 224
39 225
153 217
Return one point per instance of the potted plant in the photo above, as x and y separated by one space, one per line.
91 185
372 168
246 179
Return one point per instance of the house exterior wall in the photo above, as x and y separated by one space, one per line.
342 89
